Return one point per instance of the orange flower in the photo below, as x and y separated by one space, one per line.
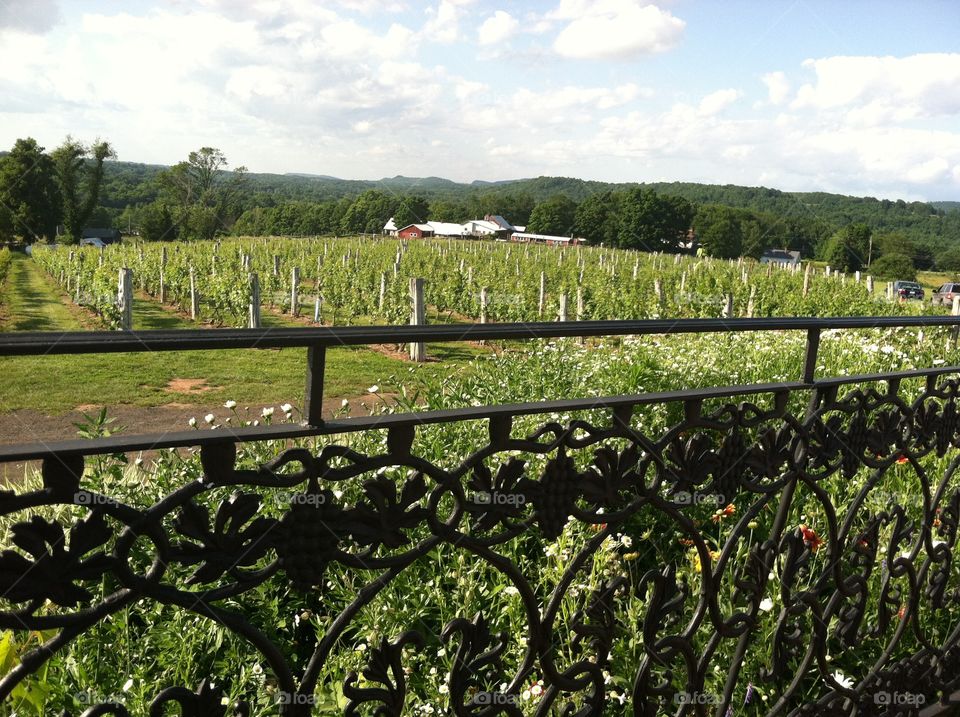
685 541
902 611
903 459
811 538
598 527
722 513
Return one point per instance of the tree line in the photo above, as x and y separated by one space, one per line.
201 197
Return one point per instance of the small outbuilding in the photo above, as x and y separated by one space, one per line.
415 231
780 256
107 236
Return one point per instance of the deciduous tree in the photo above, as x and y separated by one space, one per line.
30 204
79 173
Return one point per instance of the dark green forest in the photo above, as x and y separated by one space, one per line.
203 197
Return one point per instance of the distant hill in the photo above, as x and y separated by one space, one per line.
946 206
130 183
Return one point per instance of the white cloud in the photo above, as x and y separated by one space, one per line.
716 102
444 23
898 88
32 16
778 87
571 96
497 28
614 29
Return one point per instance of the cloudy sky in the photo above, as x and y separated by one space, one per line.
859 97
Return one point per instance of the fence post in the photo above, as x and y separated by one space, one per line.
125 298
194 299
418 317
253 312
543 293
295 292
954 311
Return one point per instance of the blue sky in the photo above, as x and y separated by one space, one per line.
855 97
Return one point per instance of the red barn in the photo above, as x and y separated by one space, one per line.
415 231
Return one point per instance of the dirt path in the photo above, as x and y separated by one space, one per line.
33 303
29 426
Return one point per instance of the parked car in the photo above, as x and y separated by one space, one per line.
944 295
908 289
92 241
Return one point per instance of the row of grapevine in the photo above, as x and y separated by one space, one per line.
366 280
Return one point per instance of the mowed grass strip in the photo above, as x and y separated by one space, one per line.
57 384
32 302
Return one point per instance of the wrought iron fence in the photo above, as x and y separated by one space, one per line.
728 568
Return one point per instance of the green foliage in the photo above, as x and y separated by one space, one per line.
848 248
79 181
949 260
894 266
157 223
554 216
718 231
653 222
368 213
206 199
411 210
31 202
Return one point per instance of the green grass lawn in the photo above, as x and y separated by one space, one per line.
57 384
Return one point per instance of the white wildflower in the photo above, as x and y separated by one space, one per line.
373 389
766 604
230 404
209 418
192 422
267 412
286 407
842 680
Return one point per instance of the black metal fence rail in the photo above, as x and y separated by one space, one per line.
790 563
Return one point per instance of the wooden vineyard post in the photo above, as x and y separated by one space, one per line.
954 311
484 303
125 298
856 276
383 291
806 280
295 291
253 310
753 296
563 306
543 293
163 270
194 299
658 293
276 265
889 291
728 307
100 258
580 339
418 317
870 284
318 309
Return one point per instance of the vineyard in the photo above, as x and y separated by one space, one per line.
366 280
612 553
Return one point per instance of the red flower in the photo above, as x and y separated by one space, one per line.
810 537
903 459
722 513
